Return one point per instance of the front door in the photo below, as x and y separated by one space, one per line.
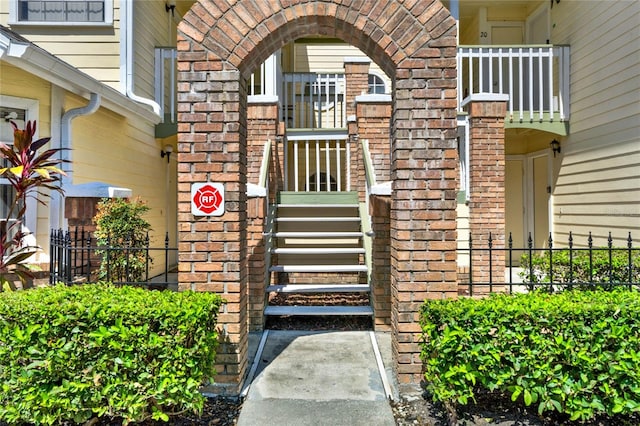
527 199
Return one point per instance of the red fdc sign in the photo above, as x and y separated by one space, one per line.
207 199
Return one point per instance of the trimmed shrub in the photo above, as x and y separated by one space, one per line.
73 353
582 268
575 352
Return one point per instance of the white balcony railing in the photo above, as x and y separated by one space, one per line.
314 101
536 78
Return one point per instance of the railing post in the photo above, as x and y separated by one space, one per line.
610 246
630 265
550 240
590 245
68 275
490 263
470 265
570 260
510 263
530 252
88 248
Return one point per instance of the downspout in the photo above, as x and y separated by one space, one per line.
126 15
65 144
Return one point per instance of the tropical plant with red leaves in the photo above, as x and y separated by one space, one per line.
28 172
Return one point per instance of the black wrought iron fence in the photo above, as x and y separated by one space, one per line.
554 267
76 257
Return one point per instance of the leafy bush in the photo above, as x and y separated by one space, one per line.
581 267
27 172
574 352
119 224
73 353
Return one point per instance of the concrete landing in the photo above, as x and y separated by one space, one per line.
319 378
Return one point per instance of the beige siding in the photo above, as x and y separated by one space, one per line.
598 175
152 28
111 148
95 51
329 58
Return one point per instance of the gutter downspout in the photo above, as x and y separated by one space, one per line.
65 144
126 15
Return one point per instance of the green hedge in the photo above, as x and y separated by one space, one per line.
73 353
581 268
574 352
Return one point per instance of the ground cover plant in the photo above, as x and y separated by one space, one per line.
101 351
574 352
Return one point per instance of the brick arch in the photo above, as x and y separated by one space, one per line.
220 42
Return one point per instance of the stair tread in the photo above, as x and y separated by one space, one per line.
319 205
331 250
319 268
318 310
318 288
319 219
320 234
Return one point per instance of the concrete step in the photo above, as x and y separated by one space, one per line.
294 234
318 268
320 251
319 219
318 288
317 310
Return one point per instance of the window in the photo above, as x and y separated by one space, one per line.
61 12
376 85
18 110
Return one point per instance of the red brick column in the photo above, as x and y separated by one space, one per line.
373 115
262 126
423 200
213 250
80 211
356 74
381 260
486 186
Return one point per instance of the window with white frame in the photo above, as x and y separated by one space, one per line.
376 85
18 110
61 12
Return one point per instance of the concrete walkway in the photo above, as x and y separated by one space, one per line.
320 378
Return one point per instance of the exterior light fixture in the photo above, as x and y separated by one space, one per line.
166 152
170 6
555 147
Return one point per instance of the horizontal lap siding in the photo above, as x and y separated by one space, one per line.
329 58
598 184
95 51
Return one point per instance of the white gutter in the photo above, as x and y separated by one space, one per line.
65 129
126 41
30 58
56 203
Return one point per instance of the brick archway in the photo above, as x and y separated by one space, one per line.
220 43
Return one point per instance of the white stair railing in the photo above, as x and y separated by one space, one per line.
317 163
536 78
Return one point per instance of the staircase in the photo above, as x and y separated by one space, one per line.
318 256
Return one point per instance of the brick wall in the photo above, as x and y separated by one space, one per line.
262 125
486 187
